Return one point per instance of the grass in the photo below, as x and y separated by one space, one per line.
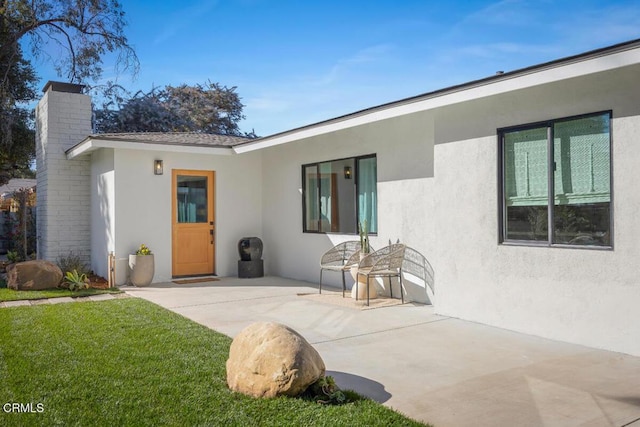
129 362
13 295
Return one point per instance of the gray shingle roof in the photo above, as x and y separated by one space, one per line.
175 138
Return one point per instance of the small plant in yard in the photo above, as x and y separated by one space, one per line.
326 391
72 262
143 250
76 281
12 256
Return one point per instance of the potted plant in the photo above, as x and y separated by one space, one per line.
364 239
363 230
141 267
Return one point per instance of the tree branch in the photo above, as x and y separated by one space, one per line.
71 50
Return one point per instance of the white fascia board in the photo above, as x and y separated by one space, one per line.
525 79
90 144
85 147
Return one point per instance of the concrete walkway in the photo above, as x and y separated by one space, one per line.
436 369
99 297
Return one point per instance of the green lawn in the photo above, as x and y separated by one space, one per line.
13 295
129 362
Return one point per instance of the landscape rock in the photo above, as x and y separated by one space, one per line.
268 359
33 275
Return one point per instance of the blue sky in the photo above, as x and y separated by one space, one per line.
299 62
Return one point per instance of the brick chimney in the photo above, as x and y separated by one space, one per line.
63 119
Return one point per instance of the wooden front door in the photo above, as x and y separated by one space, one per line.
193 225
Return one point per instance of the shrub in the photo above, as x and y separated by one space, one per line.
72 262
16 256
12 256
76 281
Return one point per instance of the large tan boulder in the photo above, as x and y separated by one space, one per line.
268 359
33 275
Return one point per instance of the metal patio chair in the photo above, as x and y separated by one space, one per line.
385 262
417 265
340 258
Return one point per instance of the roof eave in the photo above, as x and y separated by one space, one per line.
91 143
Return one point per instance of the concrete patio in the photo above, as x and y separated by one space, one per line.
436 369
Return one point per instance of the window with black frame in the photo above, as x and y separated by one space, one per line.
338 195
565 164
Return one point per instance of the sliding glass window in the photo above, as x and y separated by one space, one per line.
565 164
340 194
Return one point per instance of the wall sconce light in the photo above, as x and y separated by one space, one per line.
157 167
347 172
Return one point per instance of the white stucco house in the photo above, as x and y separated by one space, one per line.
520 189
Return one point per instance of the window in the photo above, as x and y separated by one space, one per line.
192 199
340 194
565 164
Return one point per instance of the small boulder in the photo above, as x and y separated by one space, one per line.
33 275
268 359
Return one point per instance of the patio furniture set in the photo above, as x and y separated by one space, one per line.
348 256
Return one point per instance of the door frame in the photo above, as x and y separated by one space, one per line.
211 196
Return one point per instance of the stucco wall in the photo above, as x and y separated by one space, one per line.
578 295
142 205
405 167
103 219
438 186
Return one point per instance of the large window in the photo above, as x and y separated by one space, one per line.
340 194
563 164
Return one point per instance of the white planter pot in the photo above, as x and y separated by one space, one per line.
362 287
141 269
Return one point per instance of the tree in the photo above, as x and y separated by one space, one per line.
17 140
205 108
74 35
17 156
23 227
84 31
